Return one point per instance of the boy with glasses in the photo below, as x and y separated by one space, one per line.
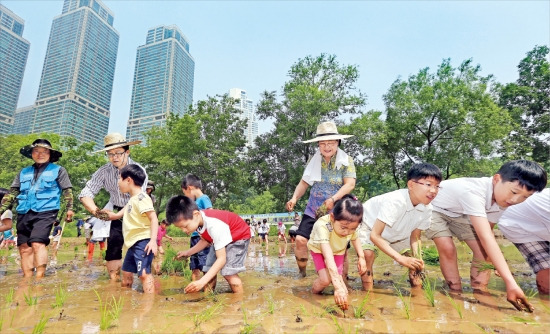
468 209
393 222
106 177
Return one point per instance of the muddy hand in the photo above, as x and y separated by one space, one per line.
518 299
341 299
181 255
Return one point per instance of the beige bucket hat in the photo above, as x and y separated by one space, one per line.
327 131
116 140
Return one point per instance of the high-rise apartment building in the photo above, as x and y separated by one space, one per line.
75 89
163 80
14 50
246 106
23 117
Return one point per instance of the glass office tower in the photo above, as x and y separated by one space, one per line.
75 89
246 106
14 50
163 80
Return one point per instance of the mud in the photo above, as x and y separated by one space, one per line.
275 300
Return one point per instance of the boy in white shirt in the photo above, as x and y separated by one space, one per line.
393 222
468 209
527 225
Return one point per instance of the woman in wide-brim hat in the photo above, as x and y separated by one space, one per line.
331 173
39 189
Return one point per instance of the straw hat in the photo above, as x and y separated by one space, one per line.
116 140
26 151
327 131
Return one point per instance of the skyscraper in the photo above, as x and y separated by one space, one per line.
163 80
75 89
14 50
246 106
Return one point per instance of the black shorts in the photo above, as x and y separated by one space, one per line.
115 241
35 227
306 226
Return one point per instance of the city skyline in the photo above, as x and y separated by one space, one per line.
386 40
246 106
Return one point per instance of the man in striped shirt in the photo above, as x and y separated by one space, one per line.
106 177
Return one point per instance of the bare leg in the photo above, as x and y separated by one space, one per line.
40 254
27 260
211 286
301 254
235 283
479 280
345 270
196 274
128 280
368 277
113 267
543 281
448 262
148 282
321 282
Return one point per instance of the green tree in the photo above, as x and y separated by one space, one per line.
449 118
319 89
208 141
528 102
262 203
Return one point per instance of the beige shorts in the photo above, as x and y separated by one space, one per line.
400 246
445 226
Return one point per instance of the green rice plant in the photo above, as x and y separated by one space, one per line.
9 297
546 308
524 320
339 327
429 290
360 311
41 325
248 327
430 256
109 311
531 293
270 304
207 314
455 305
75 249
328 309
406 303
303 310
116 307
483 266
30 300
171 266
60 297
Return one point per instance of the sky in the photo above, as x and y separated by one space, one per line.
252 44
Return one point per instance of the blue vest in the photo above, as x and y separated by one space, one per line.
40 195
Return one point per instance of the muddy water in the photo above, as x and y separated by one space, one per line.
275 300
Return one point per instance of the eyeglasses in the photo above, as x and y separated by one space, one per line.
328 144
431 186
117 154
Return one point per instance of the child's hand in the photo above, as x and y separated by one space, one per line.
361 266
195 286
151 247
341 298
411 262
171 239
181 255
517 298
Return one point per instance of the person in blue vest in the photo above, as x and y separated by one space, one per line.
38 189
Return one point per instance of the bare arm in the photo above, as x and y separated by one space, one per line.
376 238
485 234
298 193
340 290
6 225
210 274
416 244
152 244
89 204
361 263
202 244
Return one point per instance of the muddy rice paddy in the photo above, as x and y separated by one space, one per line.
77 297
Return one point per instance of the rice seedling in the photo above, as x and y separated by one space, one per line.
207 314
41 325
454 304
484 266
270 304
248 326
531 293
109 311
430 256
60 297
406 303
339 327
360 311
524 320
9 297
29 299
116 307
328 309
429 290
303 310
171 266
546 308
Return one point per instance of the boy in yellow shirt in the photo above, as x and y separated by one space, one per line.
139 227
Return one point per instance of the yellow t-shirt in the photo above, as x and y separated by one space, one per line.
135 224
323 233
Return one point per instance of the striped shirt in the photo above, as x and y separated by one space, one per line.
106 177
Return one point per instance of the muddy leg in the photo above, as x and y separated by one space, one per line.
448 262
235 283
27 260
479 280
211 286
345 270
147 281
196 274
321 282
543 281
40 255
301 254
128 279
367 278
113 267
